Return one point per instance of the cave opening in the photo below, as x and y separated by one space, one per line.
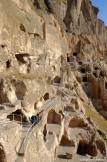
3 46
46 96
96 68
53 118
75 54
21 57
8 64
85 79
86 148
57 79
68 58
17 115
22 28
75 122
83 70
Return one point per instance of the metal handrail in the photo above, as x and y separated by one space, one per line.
29 130
3 120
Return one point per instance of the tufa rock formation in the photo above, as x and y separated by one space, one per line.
36 75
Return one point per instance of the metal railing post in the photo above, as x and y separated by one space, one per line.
13 116
21 120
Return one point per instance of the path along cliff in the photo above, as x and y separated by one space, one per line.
47 49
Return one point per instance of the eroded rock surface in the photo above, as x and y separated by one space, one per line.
36 75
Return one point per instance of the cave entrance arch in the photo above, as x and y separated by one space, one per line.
57 79
46 96
75 54
18 116
53 117
85 147
83 70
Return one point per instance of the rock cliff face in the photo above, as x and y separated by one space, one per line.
37 74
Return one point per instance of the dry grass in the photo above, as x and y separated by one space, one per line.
37 76
97 118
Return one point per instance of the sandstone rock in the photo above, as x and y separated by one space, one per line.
24 103
68 155
35 75
2 107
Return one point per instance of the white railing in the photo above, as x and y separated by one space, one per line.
15 115
46 106
4 121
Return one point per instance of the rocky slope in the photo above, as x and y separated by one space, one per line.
35 75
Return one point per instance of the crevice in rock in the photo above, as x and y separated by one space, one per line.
8 64
61 112
94 73
45 132
85 11
105 85
62 32
36 35
49 6
44 31
36 3
22 28
67 20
